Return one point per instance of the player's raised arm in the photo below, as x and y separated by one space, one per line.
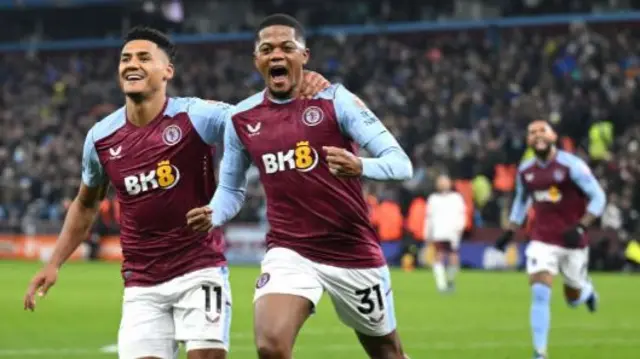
77 222
230 193
519 209
208 118
389 161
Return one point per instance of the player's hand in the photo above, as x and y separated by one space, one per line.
503 240
572 237
199 219
343 163
40 285
312 83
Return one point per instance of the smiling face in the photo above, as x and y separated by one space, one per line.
541 137
280 57
144 69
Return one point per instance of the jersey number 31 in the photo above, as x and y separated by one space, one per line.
369 303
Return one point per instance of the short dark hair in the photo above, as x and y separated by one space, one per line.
284 20
156 36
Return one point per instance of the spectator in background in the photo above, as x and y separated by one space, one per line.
444 223
612 216
388 221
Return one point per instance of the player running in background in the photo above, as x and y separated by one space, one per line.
445 223
157 152
320 238
566 199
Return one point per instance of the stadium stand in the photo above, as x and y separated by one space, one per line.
457 101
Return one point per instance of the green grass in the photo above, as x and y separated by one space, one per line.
486 318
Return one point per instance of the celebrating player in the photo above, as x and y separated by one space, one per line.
445 223
320 238
157 152
566 200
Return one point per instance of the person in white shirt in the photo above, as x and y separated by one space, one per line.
445 222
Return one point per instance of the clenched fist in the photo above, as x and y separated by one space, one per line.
199 219
343 163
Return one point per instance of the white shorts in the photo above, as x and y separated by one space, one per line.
362 298
194 308
571 263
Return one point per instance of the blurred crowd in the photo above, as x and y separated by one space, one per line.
458 103
214 16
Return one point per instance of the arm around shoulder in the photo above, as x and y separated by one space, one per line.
230 193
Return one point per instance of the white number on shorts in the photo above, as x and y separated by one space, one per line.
368 305
207 297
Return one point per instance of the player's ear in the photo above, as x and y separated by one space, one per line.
255 57
256 63
169 72
305 56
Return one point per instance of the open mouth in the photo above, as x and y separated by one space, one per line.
133 77
278 73
540 143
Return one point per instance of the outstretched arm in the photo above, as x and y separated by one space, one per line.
77 222
82 211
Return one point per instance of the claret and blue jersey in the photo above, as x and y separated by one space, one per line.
560 191
319 215
159 172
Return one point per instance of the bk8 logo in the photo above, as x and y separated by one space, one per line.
552 195
303 158
165 176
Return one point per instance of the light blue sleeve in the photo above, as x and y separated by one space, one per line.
521 203
93 173
208 118
582 176
230 193
389 161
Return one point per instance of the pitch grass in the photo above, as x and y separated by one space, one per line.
487 318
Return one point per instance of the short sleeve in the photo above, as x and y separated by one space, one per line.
93 173
208 118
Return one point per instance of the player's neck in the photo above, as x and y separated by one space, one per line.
278 99
142 113
549 156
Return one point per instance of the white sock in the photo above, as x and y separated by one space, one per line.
451 272
440 276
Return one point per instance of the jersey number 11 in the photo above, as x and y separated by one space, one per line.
208 291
